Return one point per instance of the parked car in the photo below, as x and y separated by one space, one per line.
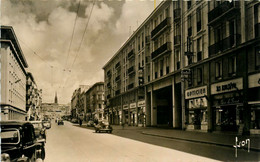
18 142
90 123
74 120
40 134
47 124
60 122
103 126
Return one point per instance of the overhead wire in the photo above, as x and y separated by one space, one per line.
77 52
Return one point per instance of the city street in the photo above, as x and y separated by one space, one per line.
72 143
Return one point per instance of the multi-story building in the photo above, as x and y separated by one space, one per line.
33 98
94 98
13 76
78 102
199 61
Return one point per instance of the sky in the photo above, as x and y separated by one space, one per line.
59 60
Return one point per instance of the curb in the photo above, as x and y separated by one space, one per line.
196 141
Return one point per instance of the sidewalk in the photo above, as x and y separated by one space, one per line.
215 138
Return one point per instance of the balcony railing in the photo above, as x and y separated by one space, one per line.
148 39
177 40
257 30
163 49
225 44
130 70
160 27
221 10
130 86
177 14
130 54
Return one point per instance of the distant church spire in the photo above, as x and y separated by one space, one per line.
56 98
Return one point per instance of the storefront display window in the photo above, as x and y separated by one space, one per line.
255 119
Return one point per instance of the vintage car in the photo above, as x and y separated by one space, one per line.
103 126
60 122
40 134
90 123
18 142
47 124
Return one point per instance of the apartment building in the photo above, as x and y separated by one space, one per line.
95 102
33 98
13 76
197 64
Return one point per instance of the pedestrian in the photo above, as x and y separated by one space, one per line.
123 125
80 122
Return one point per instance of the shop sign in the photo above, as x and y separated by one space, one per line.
125 106
254 80
132 105
198 103
196 92
227 86
141 103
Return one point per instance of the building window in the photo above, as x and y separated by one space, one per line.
178 58
188 4
198 16
257 20
167 12
99 106
257 56
218 66
167 65
155 69
161 67
232 65
199 74
189 26
199 49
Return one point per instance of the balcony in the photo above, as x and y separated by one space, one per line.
177 40
117 78
130 86
130 70
257 30
225 9
163 25
163 49
117 65
130 54
225 44
147 39
177 14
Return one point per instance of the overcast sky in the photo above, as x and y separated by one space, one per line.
46 26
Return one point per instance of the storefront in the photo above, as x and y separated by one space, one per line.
133 114
228 105
141 113
254 102
125 114
197 103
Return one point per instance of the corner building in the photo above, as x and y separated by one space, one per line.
197 64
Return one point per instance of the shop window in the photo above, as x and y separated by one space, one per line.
255 119
232 61
218 69
199 74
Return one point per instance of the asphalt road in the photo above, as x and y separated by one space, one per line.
68 143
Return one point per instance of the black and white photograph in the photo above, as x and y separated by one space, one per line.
130 80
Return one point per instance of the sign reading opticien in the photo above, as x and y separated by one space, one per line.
196 92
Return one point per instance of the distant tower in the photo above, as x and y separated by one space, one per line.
56 98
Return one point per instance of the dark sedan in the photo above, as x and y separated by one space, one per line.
103 126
